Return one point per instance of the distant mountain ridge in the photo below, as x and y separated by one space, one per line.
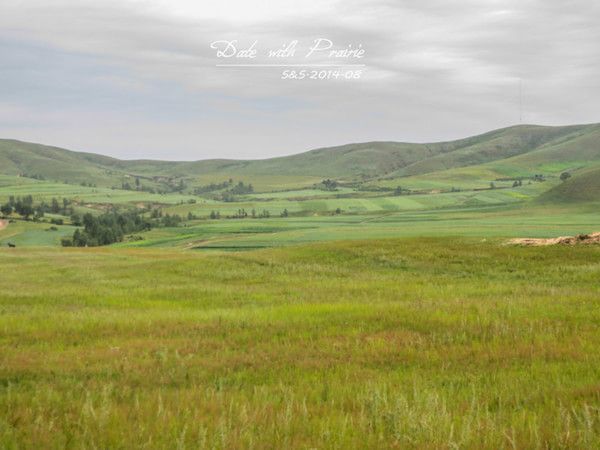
525 146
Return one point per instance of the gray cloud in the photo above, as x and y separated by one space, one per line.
138 79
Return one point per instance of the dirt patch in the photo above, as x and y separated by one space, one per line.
3 224
593 238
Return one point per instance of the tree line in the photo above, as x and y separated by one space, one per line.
25 207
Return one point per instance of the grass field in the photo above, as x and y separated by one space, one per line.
31 234
349 318
44 190
418 343
486 222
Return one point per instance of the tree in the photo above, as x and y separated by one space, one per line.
565 176
76 220
26 211
54 208
330 185
285 213
6 209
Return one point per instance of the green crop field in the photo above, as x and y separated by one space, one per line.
484 222
361 296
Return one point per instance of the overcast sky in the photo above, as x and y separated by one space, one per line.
138 78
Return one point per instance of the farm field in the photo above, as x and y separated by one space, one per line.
31 234
368 203
484 222
405 343
44 190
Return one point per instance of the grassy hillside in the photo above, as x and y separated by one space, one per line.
569 149
499 145
582 187
521 147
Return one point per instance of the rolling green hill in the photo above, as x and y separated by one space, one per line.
582 187
496 146
509 151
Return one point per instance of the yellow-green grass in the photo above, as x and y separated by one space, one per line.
424 343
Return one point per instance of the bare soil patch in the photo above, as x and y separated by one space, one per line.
593 238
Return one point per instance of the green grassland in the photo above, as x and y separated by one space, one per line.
497 222
369 203
426 343
32 234
502 212
358 316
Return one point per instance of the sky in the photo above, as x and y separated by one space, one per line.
143 79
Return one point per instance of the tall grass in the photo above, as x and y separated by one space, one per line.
427 343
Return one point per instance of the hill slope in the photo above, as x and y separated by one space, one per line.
513 142
520 146
582 187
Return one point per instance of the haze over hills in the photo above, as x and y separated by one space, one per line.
514 151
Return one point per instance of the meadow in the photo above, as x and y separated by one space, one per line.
379 308
404 343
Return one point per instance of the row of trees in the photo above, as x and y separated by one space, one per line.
227 186
242 214
212 187
167 220
230 194
24 207
169 185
